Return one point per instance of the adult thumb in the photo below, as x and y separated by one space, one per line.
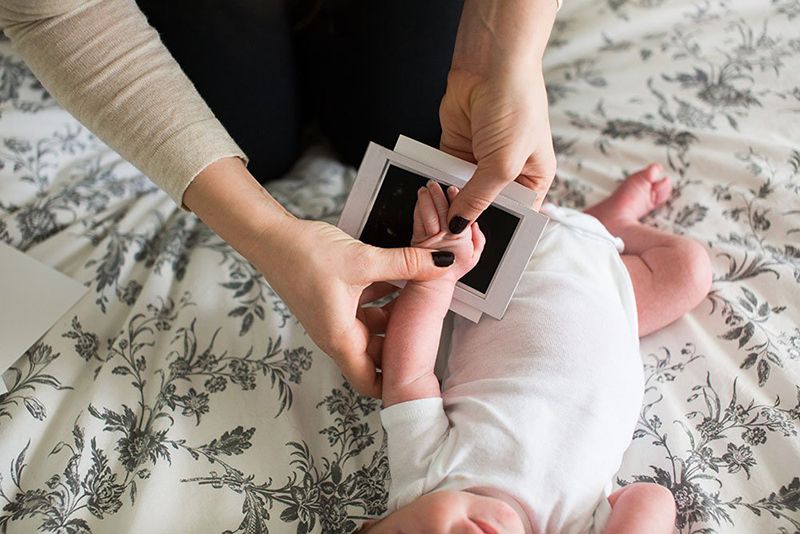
481 190
408 263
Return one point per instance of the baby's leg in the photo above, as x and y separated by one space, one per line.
671 274
641 508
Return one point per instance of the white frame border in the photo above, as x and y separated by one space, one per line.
520 248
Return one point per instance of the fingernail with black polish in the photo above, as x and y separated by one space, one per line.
443 258
457 224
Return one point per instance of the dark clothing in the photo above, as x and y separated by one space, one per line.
357 70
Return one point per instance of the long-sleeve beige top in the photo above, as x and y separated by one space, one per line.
104 63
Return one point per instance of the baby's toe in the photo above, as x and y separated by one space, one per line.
661 191
652 173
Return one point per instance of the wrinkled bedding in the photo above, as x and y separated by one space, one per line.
180 394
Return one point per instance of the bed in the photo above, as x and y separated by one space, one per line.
180 395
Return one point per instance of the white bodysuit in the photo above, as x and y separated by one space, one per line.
538 408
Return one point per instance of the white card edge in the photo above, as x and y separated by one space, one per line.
450 164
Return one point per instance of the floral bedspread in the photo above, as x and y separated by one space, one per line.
180 395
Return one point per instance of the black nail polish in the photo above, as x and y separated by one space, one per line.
458 224
443 258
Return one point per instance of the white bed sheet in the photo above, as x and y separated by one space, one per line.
181 396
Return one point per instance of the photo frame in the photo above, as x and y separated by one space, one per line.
379 211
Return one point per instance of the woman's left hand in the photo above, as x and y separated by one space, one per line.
502 124
322 274
494 111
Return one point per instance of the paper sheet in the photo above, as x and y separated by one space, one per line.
33 296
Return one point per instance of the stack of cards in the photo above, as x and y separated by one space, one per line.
380 208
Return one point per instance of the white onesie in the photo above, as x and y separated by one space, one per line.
538 408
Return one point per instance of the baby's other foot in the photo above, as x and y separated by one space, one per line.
638 195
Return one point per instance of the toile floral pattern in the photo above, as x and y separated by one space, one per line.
181 395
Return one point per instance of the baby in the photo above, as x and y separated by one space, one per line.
536 410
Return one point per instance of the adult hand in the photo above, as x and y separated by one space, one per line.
494 111
324 275
320 272
502 125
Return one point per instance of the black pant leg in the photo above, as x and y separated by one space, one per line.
377 68
238 53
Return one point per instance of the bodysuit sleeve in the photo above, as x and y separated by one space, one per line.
106 65
416 431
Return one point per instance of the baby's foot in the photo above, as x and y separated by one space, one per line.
639 194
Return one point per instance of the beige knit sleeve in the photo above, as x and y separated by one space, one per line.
102 61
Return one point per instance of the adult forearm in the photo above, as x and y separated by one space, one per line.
103 63
496 37
233 204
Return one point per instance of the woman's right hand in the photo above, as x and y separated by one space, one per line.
322 274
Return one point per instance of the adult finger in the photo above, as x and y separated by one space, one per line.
376 291
376 319
489 179
361 373
408 263
375 349
539 170
356 364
